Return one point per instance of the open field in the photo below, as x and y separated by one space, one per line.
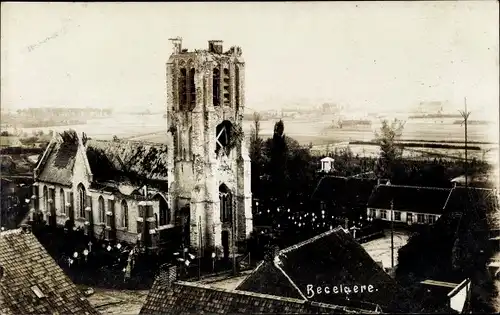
152 128
309 130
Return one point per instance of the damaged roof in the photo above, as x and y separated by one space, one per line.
332 258
108 160
127 160
32 282
192 298
57 165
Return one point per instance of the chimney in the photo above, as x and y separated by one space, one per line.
25 228
271 252
215 46
167 275
177 45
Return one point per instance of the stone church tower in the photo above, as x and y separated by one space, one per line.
210 186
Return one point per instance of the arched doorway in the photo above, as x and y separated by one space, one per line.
185 218
164 211
225 243
225 199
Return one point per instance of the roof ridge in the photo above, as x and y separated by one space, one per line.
126 141
10 232
416 187
262 295
312 240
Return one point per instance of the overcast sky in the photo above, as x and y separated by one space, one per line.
369 54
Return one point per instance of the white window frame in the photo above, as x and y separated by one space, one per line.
383 214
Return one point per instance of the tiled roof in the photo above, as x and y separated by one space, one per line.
329 259
342 189
127 160
32 282
409 198
191 298
57 167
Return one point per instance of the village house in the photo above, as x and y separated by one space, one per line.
407 205
328 268
199 180
31 282
170 296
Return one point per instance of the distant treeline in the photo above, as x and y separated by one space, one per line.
421 145
53 116
11 150
64 111
434 116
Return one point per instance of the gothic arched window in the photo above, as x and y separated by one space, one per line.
192 89
223 136
225 204
164 211
183 89
102 210
237 85
46 198
124 214
81 200
62 201
225 86
216 87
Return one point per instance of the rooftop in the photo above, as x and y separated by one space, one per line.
189 298
409 198
108 160
339 189
32 282
329 259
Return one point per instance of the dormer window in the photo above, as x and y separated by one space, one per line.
39 294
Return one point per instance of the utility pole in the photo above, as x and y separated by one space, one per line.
392 234
465 115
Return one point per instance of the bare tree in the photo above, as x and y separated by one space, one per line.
390 151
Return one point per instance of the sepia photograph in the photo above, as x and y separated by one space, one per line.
337 157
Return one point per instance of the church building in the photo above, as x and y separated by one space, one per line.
198 183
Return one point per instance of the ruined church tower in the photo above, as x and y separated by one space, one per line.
210 188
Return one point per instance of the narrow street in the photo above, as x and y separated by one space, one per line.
380 249
123 302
